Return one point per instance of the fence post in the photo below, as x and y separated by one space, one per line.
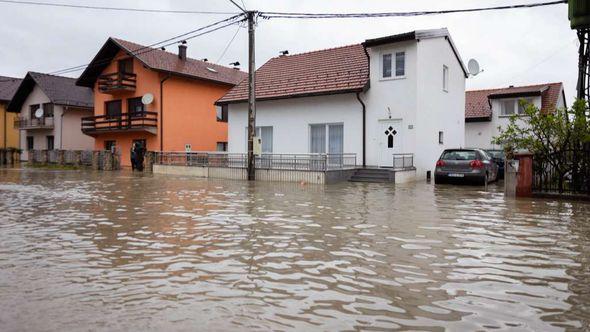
149 161
60 157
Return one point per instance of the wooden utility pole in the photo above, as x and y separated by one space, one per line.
251 15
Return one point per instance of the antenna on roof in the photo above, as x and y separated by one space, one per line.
183 42
285 52
235 64
204 59
163 48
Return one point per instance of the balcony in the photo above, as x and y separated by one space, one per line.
126 122
117 82
34 123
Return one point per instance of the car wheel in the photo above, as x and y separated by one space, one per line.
437 180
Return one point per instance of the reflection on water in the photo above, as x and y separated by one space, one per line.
118 251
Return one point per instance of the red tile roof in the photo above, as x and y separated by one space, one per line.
477 105
157 59
336 70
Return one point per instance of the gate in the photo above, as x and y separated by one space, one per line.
571 175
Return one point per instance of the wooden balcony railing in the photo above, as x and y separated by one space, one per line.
34 123
126 122
117 82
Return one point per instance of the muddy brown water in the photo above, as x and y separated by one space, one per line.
121 251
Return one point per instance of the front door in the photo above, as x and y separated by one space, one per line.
390 141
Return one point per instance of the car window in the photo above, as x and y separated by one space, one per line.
459 155
484 155
496 154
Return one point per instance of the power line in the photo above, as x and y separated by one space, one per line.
269 15
149 48
35 3
228 44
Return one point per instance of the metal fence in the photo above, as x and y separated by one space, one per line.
99 159
300 162
571 175
403 161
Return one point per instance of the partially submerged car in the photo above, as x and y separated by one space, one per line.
470 166
499 159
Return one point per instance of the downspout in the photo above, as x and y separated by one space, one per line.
162 111
5 129
358 96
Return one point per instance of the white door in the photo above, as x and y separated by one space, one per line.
390 141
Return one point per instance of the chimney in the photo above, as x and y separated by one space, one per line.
182 50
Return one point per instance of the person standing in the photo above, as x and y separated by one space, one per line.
139 153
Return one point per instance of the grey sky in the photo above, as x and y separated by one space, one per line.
513 47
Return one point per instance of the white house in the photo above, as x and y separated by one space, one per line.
398 94
488 110
50 109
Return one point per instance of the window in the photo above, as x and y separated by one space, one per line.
440 137
110 145
222 146
135 107
33 109
513 106
389 64
445 78
50 143
459 155
265 134
222 113
48 110
386 65
400 64
326 138
30 143
113 108
126 66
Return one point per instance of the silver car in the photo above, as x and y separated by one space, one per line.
465 166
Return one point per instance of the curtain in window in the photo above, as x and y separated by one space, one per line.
336 138
386 65
508 107
266 136
318 138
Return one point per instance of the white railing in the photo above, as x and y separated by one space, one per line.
302 162
403 161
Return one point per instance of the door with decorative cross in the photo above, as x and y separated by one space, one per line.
390 141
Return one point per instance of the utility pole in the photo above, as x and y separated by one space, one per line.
251 15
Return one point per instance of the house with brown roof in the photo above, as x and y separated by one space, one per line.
377 99
9 137
49 109
161 99
487 110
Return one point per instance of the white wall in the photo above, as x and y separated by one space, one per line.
437 108
72 137
290 119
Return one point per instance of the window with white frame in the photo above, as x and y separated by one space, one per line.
326 138
393 65
513 106
265 134
445 78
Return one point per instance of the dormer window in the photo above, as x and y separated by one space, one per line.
393 65
513 106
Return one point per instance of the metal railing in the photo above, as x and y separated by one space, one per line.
33 123
573 177
299 162
403 161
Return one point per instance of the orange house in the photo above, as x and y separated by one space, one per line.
164 100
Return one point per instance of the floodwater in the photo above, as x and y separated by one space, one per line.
119 251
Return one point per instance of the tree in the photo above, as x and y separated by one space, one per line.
558 139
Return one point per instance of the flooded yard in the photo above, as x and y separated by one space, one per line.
120 251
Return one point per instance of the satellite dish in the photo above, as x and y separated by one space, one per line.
39 113
147 99
473 67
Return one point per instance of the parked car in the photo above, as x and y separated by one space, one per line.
465 166
499 158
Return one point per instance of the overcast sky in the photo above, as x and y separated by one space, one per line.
515 47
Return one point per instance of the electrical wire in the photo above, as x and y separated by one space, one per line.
150 48
228 44
271 15
36 3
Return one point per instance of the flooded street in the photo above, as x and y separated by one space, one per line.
119 251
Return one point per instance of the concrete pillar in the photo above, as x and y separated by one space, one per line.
10 157
60 157
107 161
95 160
2 157
524 179
77 158
149 161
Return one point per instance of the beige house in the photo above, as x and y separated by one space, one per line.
50 109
